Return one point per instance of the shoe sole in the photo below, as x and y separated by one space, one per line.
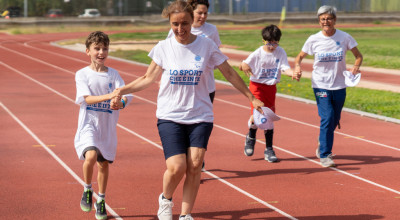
271 161
86 209
249 155
331 165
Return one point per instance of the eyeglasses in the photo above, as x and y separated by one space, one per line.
271 44
326 19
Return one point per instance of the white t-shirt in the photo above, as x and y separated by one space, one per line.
97 122
329 58
267 67
209 31
183 96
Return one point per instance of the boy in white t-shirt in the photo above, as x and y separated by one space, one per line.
96 136
264 66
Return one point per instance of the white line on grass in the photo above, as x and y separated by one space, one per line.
65 166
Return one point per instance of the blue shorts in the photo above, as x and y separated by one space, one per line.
177 138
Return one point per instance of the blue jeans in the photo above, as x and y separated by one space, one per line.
330 104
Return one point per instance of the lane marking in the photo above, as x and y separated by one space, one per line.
317 127
156 145
65 166
289 152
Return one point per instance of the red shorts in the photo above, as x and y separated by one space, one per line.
264 93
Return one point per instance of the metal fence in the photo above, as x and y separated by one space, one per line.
257 6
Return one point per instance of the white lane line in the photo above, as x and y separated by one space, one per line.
316 162
315 126
156 145
237 133
300 156
65 166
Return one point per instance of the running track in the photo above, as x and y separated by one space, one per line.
41 174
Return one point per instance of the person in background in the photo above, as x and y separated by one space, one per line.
264 67
329 47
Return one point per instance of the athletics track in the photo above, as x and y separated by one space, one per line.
41 174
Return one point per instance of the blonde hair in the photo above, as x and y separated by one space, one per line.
177 7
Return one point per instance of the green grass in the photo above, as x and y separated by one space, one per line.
368 100
379 46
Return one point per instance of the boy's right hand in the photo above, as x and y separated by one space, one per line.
246 69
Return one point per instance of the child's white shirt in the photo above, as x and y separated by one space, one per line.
97 122
209 31
329 58
267 67
183 96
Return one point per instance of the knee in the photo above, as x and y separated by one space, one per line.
91 157
194 167
102 165
177 169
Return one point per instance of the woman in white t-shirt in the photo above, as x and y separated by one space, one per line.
184 109
201 28
329 47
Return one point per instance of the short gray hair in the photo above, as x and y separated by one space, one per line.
326 9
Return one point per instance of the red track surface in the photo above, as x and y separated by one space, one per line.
38 88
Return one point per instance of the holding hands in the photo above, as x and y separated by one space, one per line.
116 101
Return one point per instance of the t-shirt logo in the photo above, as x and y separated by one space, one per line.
277 61
338 43
197 58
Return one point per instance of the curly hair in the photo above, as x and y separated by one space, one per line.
177 7
97 37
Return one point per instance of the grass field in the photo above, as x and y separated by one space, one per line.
377 45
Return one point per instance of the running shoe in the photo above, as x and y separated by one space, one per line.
165 208
86 201
328 161
269 155
100 207
249 146
186 217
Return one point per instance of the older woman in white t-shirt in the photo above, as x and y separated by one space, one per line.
184 109
329 47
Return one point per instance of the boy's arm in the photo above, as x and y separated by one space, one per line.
292 74
117 104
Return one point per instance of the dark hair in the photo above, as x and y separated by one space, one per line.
177 7
271 33
194 3
97 37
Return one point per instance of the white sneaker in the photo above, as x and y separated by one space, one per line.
328 161
165 208
187 217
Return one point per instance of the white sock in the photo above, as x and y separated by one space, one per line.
101 197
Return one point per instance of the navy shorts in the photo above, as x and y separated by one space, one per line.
177 138
100 157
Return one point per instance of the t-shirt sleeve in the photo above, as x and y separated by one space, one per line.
82 88
351 43
215 37
156 53
251 60
217 57
284 61
307 47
